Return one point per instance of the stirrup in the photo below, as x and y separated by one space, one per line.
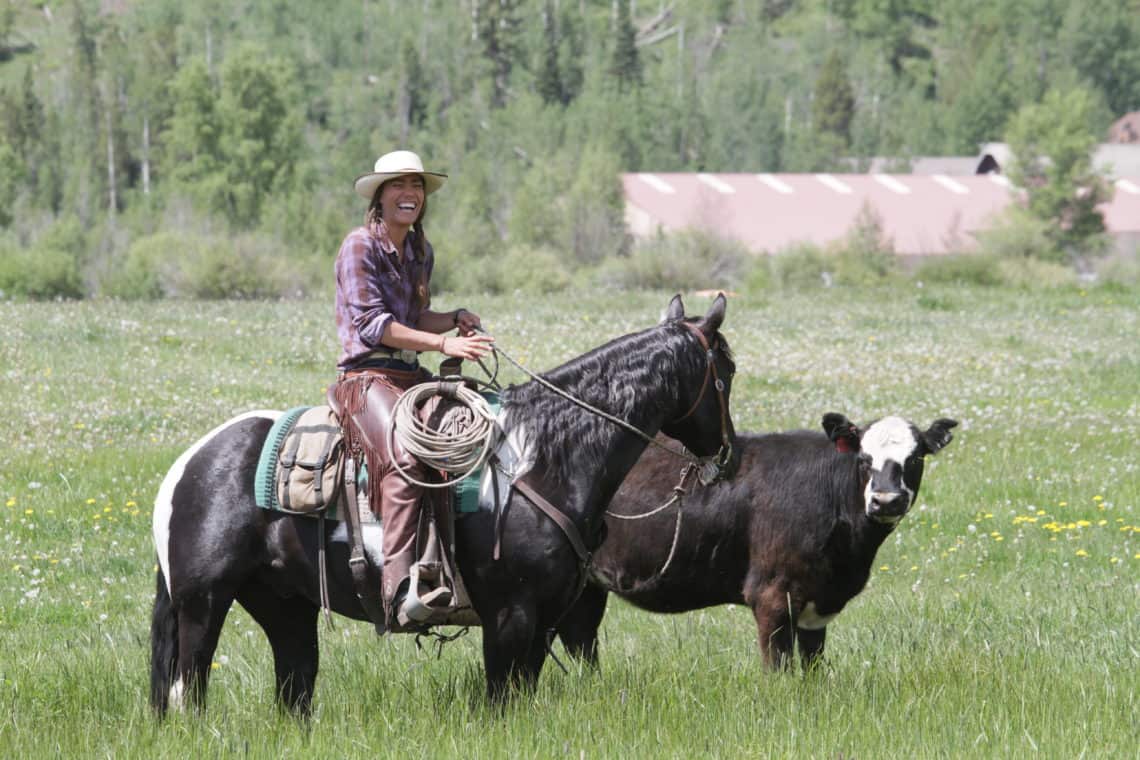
421 609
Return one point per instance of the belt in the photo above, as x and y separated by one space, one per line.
405 355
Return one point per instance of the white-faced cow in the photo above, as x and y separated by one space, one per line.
792 536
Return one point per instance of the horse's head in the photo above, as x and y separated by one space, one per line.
892 453
701 419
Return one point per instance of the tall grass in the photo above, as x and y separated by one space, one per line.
1001 619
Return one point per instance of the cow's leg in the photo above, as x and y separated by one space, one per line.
200 619
509 634
774 626
811 646
290 624
579 628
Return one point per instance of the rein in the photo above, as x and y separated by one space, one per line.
708 471
678 498
710 467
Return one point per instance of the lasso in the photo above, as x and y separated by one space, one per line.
456 448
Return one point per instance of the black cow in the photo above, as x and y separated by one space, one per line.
792 536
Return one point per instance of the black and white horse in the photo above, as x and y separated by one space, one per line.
793 536
216 546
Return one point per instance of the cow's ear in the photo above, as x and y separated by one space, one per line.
842 432
938 435
675 310
711 322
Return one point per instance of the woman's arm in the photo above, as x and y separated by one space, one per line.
401 336
443 321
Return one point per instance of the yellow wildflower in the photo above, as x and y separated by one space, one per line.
1082 553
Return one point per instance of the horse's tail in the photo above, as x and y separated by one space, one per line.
163 646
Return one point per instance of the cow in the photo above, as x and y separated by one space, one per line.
793 535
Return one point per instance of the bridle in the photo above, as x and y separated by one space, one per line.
724 454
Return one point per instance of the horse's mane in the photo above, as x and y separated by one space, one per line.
636 377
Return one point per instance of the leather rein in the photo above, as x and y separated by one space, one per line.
563 521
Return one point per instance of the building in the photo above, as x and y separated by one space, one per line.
922 214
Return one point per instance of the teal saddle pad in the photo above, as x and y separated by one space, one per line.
465 496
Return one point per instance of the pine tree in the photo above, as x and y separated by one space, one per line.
496 25
415 88
834 105
549 79
571 52
626 66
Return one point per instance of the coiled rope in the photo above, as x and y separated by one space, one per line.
460 446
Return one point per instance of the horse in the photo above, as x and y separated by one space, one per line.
522 565
793 536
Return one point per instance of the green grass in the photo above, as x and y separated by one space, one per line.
1002 619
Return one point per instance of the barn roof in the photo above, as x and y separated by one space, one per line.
768 212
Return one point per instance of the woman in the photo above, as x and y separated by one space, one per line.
384 321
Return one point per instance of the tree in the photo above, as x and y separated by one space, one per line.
834 103
496 26
626 64
549 78
260 139
414 96
571 53
1102 40
1052 144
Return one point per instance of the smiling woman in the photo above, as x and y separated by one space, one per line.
384 320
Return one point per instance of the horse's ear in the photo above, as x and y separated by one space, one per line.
712 321
675 310
842 432
939 435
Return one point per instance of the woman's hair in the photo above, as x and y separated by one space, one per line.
375 215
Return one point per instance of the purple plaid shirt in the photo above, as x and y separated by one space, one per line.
374 286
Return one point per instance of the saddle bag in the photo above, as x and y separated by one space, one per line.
310 465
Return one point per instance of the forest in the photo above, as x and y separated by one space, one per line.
207 149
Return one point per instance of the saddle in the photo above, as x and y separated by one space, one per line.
305 470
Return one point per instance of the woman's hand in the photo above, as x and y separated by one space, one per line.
467 322
466 346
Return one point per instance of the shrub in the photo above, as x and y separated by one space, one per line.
533 270
960 268
687 260
1120 273
148 267
1032 274
1018 235
801 265
250 266
51 268
40 273
865 255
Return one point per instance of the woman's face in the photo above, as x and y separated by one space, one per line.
402 200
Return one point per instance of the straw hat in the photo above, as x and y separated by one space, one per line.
392 165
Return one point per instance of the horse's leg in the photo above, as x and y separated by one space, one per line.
579 628
200 619
290 624
773 626
811 646
509 636
163 647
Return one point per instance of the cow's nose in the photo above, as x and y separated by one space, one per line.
886 501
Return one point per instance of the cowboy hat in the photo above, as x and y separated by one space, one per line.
392 165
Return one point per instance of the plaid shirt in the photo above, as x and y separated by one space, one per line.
374 286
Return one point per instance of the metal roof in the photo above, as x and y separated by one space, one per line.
932 214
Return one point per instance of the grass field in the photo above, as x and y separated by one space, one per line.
1003 619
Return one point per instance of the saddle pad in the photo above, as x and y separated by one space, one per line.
466 498
264 481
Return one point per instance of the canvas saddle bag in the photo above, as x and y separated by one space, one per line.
310 463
